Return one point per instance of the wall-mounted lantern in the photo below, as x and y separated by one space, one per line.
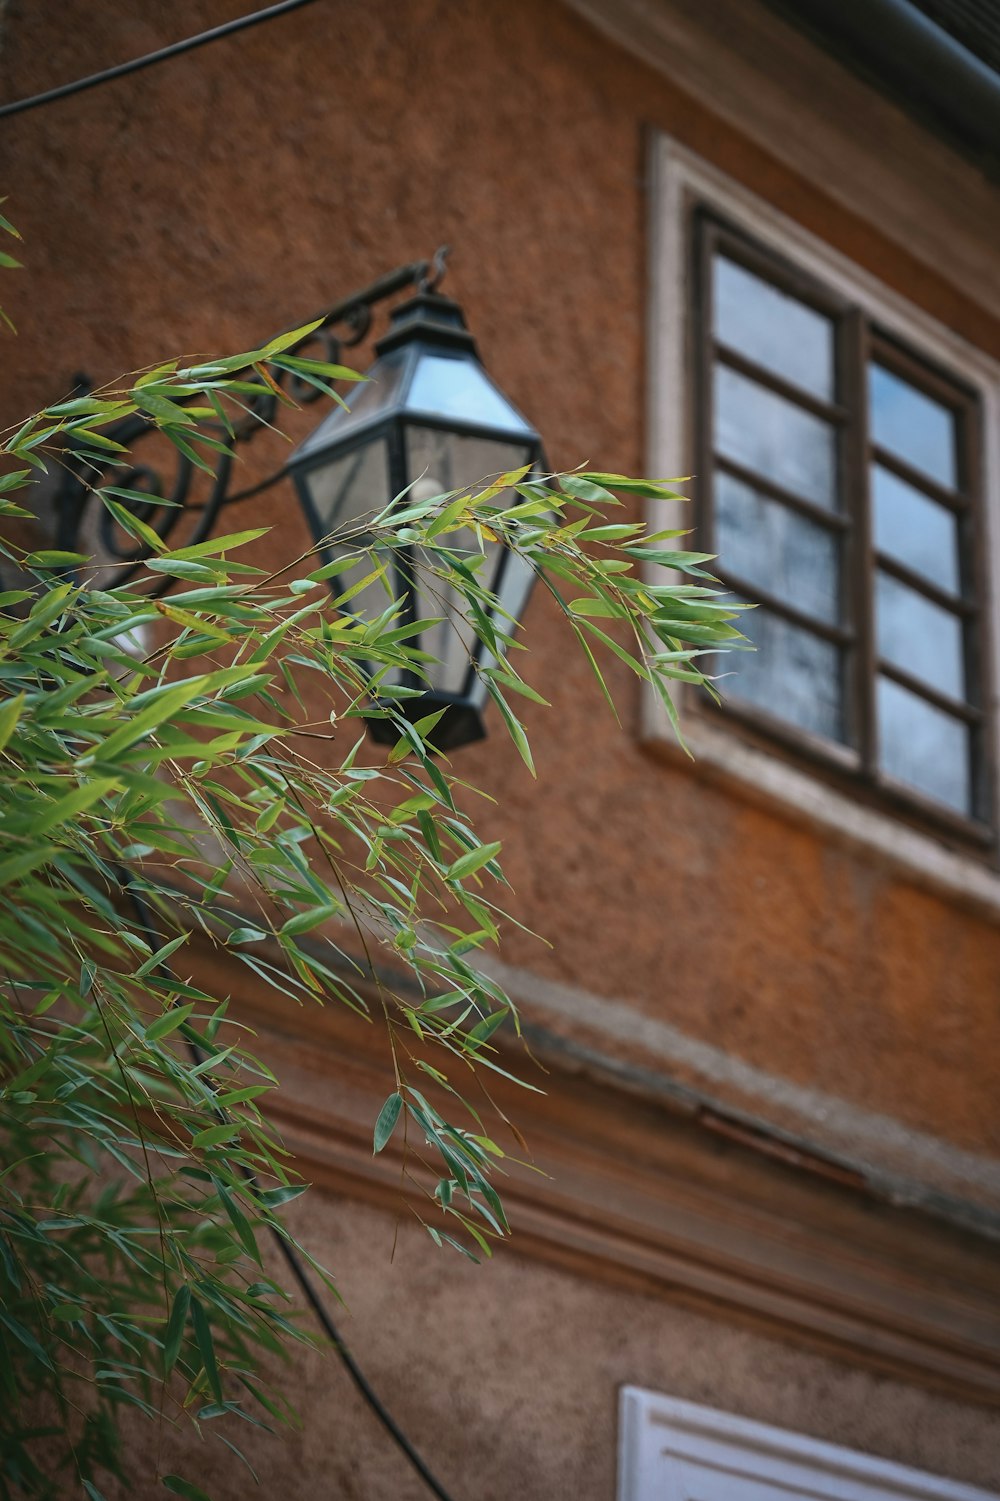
428 420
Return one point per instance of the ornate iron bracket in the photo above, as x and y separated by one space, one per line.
340 327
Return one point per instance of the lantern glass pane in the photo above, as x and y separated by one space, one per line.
366 402
455 387
438 462
346 490
345 493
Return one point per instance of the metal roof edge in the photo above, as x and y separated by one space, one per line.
906 55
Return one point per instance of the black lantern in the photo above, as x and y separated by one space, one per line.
431 419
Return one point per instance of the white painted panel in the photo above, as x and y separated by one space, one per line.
671 1450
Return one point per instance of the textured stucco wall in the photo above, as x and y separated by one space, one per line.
209 201
226 193
507 1376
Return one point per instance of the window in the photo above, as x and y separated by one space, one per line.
678 1451
839 479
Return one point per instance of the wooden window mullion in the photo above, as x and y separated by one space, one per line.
859 563
701 367
975 578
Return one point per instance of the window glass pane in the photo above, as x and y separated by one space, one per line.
916 530
917 635
913 426
779 440
923 747
776 330
770 545
792 674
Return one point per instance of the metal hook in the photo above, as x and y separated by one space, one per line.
435 270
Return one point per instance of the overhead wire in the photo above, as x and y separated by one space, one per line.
175 49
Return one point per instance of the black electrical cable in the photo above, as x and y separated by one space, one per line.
147 923
18 106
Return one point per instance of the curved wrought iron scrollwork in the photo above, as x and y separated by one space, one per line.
340 327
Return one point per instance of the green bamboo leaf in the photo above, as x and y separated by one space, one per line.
174 1333
148 719
286 340
68 1313
473 860
14 479
216 545
304 922
386 1122
206 1347
240 1223
74 803
182 1487
155 961
274 1198
9 716
514 726
55 558
211 1136
161 407
319 367
170 1020
26 1338
16 866
242 1096
489 1024
608 608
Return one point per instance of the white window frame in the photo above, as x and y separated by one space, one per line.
679 181
663 1443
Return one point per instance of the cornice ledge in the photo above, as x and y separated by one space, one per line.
799 104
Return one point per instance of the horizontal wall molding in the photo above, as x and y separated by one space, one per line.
644 1197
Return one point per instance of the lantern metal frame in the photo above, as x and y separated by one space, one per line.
337 329
427 326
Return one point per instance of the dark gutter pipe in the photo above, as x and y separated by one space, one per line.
906 54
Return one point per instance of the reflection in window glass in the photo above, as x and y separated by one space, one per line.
913 426
923 747
773 437
918 636
775 330
915 529
771 546
793 674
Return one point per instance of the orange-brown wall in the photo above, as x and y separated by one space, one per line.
211 200
217 197
506 1376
